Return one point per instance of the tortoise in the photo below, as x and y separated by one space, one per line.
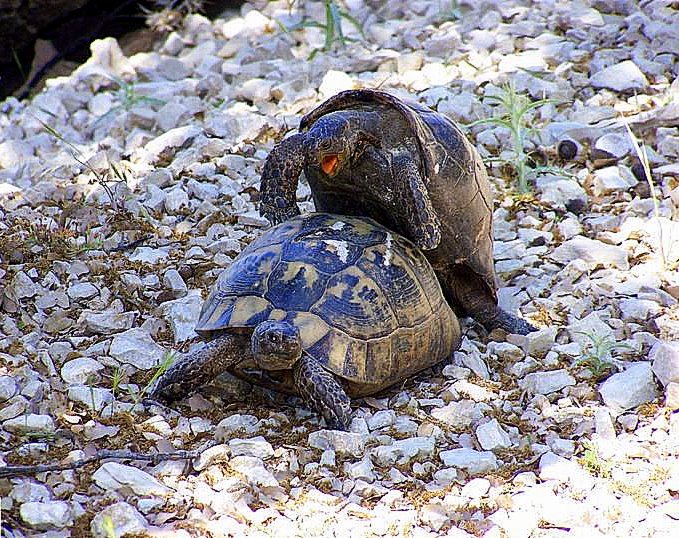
326 307
368 153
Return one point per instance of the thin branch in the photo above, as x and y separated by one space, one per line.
24 470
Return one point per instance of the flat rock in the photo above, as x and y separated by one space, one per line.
257 447
491 436
537 343
254 471
107 321
30 423
547 382
47 515
470 460
8 387
403 451
182 315
665 357
629 389
458 414
127 479
123 517
136 347
80 370
621 77
561 192
343 443
96 398
592 251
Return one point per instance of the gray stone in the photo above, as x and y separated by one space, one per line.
236 424
629 389
113 476
553 467
475 488
343 443
594 252
546 382
47 515
167 143
80 370
123 517
82 290
638 309
360 470
624 76
537 343
96 398
211 456
403 451
559 192
470 460
613 179
176 200
30 423
29 491
106 322
491 436
136 347
617 145
458 414
254 471
23 286
175 283
182 315
665 357
8 387
148 255
15 152
257 447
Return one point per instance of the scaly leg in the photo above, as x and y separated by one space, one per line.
322 392
280 176
190 371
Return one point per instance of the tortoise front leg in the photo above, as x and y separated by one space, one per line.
411 198
322 392
280 176
192 370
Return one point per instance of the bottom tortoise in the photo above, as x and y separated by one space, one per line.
323 306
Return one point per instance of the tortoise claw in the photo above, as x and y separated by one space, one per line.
277 212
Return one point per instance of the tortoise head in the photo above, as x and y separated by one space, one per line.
330 143
276 345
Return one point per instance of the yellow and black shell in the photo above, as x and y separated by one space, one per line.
366 302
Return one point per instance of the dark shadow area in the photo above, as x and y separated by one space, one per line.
49 34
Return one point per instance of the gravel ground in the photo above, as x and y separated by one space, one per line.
127 186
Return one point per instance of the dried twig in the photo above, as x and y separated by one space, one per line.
25 470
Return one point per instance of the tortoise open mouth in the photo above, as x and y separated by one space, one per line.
330 163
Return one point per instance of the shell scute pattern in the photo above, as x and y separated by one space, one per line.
351 314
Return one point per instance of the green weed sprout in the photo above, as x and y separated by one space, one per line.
597 355
514 108
332 26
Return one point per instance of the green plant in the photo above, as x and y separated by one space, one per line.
597 354
128 97
513 110
332 26
109 527
165 363
115 173
593 462
642 155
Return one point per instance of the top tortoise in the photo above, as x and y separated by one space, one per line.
368 153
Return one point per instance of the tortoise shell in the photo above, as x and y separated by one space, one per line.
454 174
365 300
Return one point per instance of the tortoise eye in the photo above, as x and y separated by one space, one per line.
324 145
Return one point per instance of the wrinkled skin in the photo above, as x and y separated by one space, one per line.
366 153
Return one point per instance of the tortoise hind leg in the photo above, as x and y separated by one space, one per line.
409 199
190 371
468 294
322 392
